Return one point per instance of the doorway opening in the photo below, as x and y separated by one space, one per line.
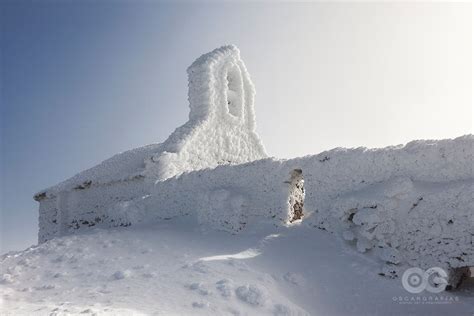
296 196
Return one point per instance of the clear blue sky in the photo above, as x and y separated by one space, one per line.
83 81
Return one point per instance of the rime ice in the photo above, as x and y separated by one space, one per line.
407 205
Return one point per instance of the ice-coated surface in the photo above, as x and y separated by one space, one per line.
410 205
221 126
122 166
220 130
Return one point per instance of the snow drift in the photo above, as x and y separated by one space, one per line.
172 268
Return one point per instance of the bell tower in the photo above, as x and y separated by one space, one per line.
221 126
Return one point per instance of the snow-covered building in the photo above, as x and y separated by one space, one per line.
220 130
409 205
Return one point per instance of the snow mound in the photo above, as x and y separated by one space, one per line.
150 270
157 269
119 275
253 295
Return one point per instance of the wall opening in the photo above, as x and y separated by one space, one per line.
234 91
296 196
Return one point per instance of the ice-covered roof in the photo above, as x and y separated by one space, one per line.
119 167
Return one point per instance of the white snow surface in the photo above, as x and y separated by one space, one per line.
164 269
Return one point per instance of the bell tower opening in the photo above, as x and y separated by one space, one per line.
234 91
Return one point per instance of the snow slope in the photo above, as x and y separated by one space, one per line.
177 267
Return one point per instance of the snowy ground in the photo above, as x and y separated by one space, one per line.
176 268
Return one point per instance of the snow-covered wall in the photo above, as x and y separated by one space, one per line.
407 205
87 206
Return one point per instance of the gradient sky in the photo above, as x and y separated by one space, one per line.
83 81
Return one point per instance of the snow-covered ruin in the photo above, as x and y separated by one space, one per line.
408 205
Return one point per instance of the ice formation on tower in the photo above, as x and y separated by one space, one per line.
221 126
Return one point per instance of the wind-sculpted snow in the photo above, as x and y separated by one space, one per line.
147 271
173 268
